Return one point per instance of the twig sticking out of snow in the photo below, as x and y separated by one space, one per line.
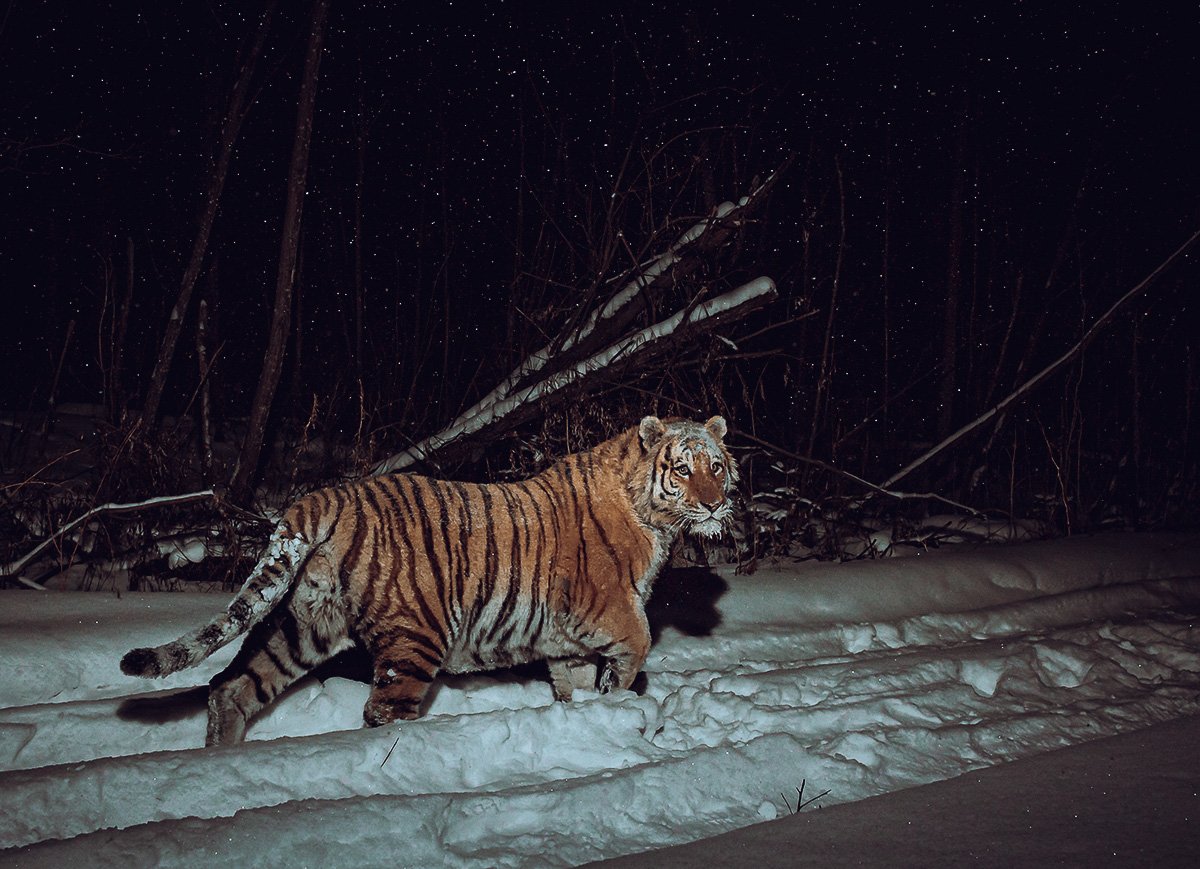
11 570
800 801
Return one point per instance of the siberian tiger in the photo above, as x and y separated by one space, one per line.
429 575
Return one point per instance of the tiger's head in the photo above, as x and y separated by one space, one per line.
686 476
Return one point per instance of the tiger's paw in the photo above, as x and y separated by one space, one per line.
379 712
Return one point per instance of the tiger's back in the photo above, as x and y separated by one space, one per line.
433 575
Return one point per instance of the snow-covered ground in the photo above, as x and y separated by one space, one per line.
854 679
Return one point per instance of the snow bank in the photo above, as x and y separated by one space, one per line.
857 679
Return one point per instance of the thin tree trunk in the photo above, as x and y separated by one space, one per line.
52 400
239 105
115 392
205 428
296 387
244 476
825 374
885 286
948 387
360 171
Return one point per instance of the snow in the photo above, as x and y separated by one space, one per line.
1126 800
858 679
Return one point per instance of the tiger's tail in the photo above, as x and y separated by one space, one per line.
263 590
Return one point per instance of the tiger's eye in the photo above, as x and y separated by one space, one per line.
717 467
683 470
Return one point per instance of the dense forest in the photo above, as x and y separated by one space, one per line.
927 261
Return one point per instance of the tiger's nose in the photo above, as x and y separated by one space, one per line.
714 506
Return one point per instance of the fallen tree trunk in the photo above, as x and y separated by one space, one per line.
639 347
600 342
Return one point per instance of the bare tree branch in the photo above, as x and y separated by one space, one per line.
1029 384
578 350
726 214
854 478
11 570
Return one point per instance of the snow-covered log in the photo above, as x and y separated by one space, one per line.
598 332
638 346
724 216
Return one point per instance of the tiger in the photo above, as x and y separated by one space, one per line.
429 575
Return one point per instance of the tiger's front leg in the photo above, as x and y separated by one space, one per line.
568 674
625 654
621 667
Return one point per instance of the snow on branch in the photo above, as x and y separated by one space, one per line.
538 359
735 302
727 213
11 570
601 324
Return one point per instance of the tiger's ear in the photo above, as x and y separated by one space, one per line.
651 430
716 427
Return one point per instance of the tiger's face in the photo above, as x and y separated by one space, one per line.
690 476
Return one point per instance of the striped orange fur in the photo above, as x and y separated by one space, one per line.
431 575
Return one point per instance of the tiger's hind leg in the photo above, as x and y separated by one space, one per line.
406 660
276 653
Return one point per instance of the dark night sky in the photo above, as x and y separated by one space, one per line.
107 118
